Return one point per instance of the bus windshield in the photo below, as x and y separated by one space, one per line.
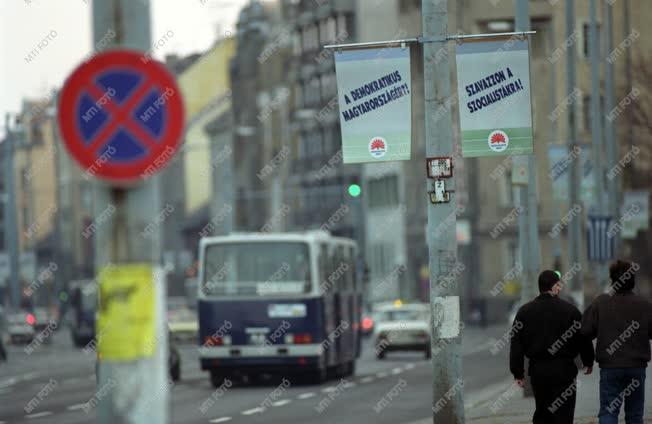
256 269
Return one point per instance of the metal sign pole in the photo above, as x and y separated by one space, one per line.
596 128
575 226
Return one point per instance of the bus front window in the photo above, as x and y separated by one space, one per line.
256 269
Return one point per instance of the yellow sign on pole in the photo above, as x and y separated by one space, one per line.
125 326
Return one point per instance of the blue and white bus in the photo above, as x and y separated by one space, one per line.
286 303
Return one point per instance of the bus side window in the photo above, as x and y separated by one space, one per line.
350 270
336 284
342 263
322 263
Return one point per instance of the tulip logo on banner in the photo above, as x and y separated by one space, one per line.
378 147
374 98
493 84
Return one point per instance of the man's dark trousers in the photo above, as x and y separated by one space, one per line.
554 399
620 386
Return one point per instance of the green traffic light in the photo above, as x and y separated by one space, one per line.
354 190
63 296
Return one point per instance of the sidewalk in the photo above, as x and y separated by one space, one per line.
508 406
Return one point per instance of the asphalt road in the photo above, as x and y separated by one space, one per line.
69 372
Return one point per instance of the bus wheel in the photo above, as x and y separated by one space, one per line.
317 376
349 369
217 378
175 372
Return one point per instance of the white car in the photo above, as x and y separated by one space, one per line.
21 327
401 326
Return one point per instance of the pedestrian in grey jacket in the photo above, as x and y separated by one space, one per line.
621 321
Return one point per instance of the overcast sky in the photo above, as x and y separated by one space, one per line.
25 23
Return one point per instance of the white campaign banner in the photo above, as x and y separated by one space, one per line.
493 86
373 91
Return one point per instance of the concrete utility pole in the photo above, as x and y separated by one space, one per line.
442 245
138 391
10 221
596 126
574 180
528 292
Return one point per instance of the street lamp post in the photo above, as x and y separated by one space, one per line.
10 220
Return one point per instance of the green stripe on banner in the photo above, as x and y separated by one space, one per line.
357 151
475 143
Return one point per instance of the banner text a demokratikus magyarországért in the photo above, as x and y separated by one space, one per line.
374 87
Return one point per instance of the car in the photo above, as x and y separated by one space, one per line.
174 361
182 321
20 326
367 322
402 327
82 311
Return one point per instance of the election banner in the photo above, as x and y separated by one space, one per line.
373 90
125 324
560 161
635 213
493 85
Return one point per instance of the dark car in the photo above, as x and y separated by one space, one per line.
174 361
83 305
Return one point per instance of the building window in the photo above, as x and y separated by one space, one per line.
310 35
296 43
311 93
342 25
383 192
585 42
586 111
407 6
328 87
327 30
504 25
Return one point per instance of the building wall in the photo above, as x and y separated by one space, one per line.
206 89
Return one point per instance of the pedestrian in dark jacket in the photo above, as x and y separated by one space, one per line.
622 323
547 332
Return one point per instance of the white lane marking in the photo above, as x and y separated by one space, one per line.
479 348
9 382
409 366
76 407
38 415
6 390
220 420
3 422
252 411
397 371
348 385
366 380
282 402
306 395
71 381
381 374
30 375
329 389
